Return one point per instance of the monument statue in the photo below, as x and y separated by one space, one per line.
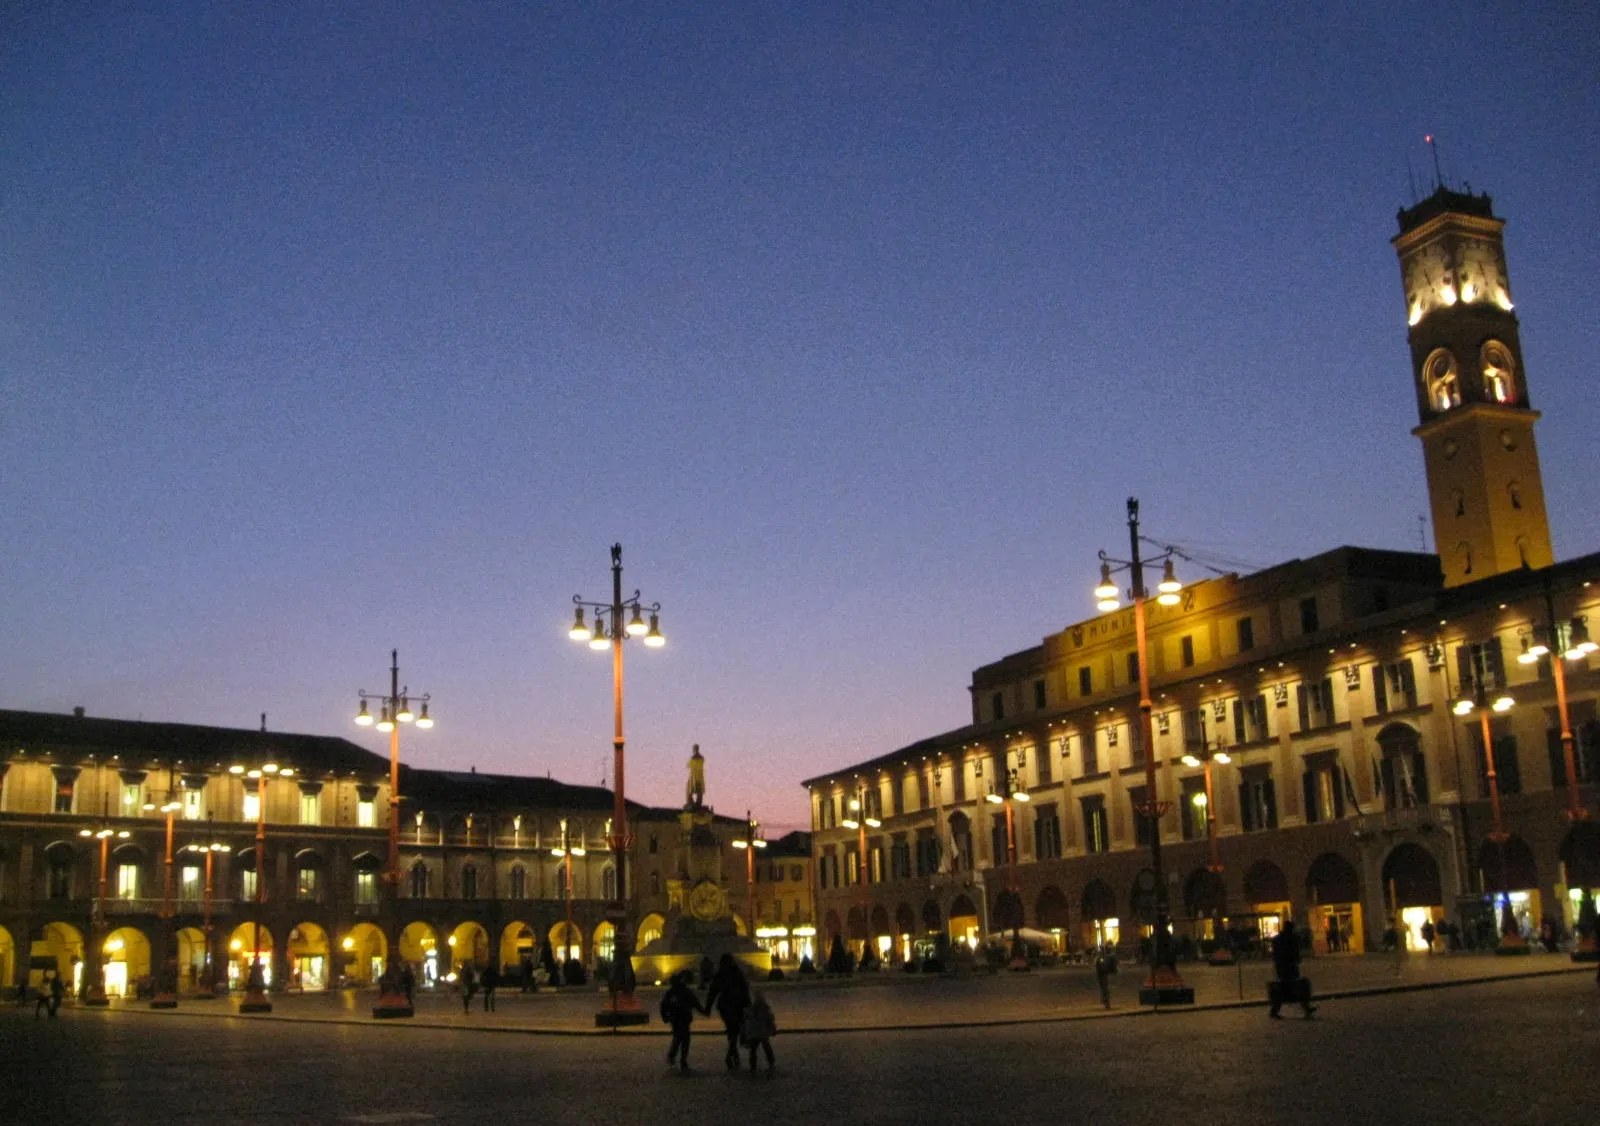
696 792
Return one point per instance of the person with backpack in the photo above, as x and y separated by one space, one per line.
730 993
678 1006
1290 986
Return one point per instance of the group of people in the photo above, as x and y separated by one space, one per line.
747 1018
48 997
473 980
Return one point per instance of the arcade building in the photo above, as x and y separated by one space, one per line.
1318 727
126 846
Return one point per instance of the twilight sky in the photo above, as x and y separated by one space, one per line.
332 327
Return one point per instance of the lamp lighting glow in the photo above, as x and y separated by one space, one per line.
1223 757
600 640
991 796
1021 795
873 823
636 624
1106 593
364 717
1578 643
424 720
579 631
1199 799
1527 656
740 844
1191 760
1169 583
578 850
1503 702
654 638
405 714
236 769
1462 707
385 723
759 842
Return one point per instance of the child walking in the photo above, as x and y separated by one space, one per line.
678 1006
758 1028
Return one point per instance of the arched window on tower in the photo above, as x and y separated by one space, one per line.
1499 373
419 880
1440 376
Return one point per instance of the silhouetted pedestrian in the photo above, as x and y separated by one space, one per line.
408 983
730 993
468 981
678 1006
1290 986
758 1029
57 992
1427 934
41 1000
491 982
1105 964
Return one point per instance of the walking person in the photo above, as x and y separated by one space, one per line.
491 981
57 992
758 1029
678 1006
1290 986
730 993
469 986
408 983
41 1001
1105 964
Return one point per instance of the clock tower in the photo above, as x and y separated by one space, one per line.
1476 422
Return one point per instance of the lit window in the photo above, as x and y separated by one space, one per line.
366 887
367 814
305 885
1443 384
190 885
252 806
127 881
192 805
132 799
247 884
310 809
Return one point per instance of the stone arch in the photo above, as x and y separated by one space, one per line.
905 922
1507 865
856 925
651 927
1413 873
1007 914
418 880
63 944
1580 852
932 917
1099 901
880 920
126 959
566 939
605 941
962 906
191 954
1204 895
365 954
517 942
419 945
1332 879
247 938
1264 882
309 952
832 925
469 942
1050 910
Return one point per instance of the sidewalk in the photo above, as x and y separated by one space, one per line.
894 1001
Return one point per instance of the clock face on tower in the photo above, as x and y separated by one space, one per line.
1430 282
706 901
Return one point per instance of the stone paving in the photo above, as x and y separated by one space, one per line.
894 1000
1512 1051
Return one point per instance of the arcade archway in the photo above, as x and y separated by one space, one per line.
191 957
1334 889
566 939
58 951
308 958
1101 924
469 942
127 960
650 929
419 945
964 921
519 946
242 946
365 954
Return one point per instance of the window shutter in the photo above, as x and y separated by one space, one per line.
1380 690
1269 790
1465 673
1336 777
1305 707
1308 784
1238 721
1247 813
1494 663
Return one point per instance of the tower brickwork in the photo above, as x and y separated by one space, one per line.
1475 417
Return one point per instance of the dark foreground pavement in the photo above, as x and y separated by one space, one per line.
1514 1051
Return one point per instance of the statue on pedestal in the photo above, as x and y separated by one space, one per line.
696 791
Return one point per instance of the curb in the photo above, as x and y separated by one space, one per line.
925 1026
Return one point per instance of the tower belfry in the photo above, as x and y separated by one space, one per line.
1475 419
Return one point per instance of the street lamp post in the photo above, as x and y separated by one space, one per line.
1562 641
94 957
1205 755
564 852
255 989
750 843
394 709
1013 791
167 995
1485 697
609 631
207 986
861 818
1164 986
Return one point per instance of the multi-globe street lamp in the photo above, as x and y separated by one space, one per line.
1204 755
1164 985
207 989
751 842
1562 641
167 991
564 852
860 817
94 968
255 990
1485 693
394 709
608 632
1012 790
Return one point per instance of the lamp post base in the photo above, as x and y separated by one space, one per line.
1512 944
205 993
97 999
1165 987
392 1005
255 1001
621 1011
165 1001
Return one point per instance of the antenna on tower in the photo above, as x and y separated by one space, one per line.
1433 147
1422 531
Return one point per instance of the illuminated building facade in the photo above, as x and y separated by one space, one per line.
1354 798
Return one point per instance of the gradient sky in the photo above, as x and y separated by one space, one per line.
332 327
